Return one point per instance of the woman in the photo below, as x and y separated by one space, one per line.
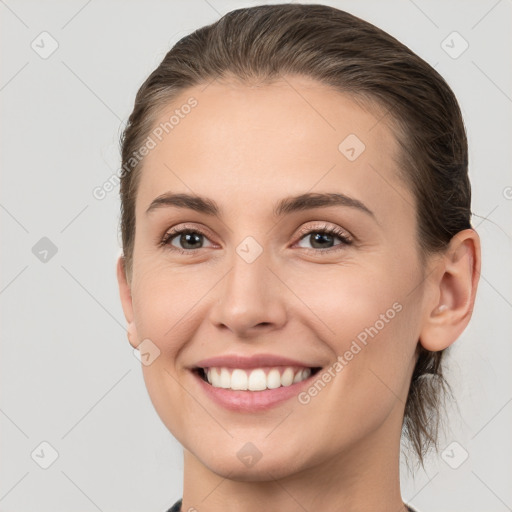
297 256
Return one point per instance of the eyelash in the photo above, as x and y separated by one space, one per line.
324 229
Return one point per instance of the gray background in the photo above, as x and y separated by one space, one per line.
69 376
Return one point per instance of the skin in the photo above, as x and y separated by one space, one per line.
246 147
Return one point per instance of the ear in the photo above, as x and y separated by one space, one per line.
452 300
126 301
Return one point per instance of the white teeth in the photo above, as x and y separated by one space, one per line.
214 373
225 378
287 377
238 380
256 379
274 379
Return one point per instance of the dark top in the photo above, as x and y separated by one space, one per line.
177 507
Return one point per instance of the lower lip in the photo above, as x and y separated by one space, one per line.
251 401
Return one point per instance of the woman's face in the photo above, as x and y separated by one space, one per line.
259 285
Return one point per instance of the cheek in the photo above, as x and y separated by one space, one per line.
370 321
164 301
349 300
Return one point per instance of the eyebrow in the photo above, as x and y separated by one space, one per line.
285 206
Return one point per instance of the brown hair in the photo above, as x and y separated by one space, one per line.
353 56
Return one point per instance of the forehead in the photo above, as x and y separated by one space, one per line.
264 142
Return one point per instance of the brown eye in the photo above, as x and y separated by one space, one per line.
322 239
184 240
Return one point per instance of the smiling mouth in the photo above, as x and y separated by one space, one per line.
254 379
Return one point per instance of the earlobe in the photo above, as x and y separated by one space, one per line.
126 301
455 286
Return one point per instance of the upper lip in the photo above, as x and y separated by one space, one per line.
254 361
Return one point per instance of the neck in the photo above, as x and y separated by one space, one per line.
366 477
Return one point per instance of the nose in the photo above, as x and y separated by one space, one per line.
251 299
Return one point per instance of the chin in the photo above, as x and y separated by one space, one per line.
260 472
246 464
